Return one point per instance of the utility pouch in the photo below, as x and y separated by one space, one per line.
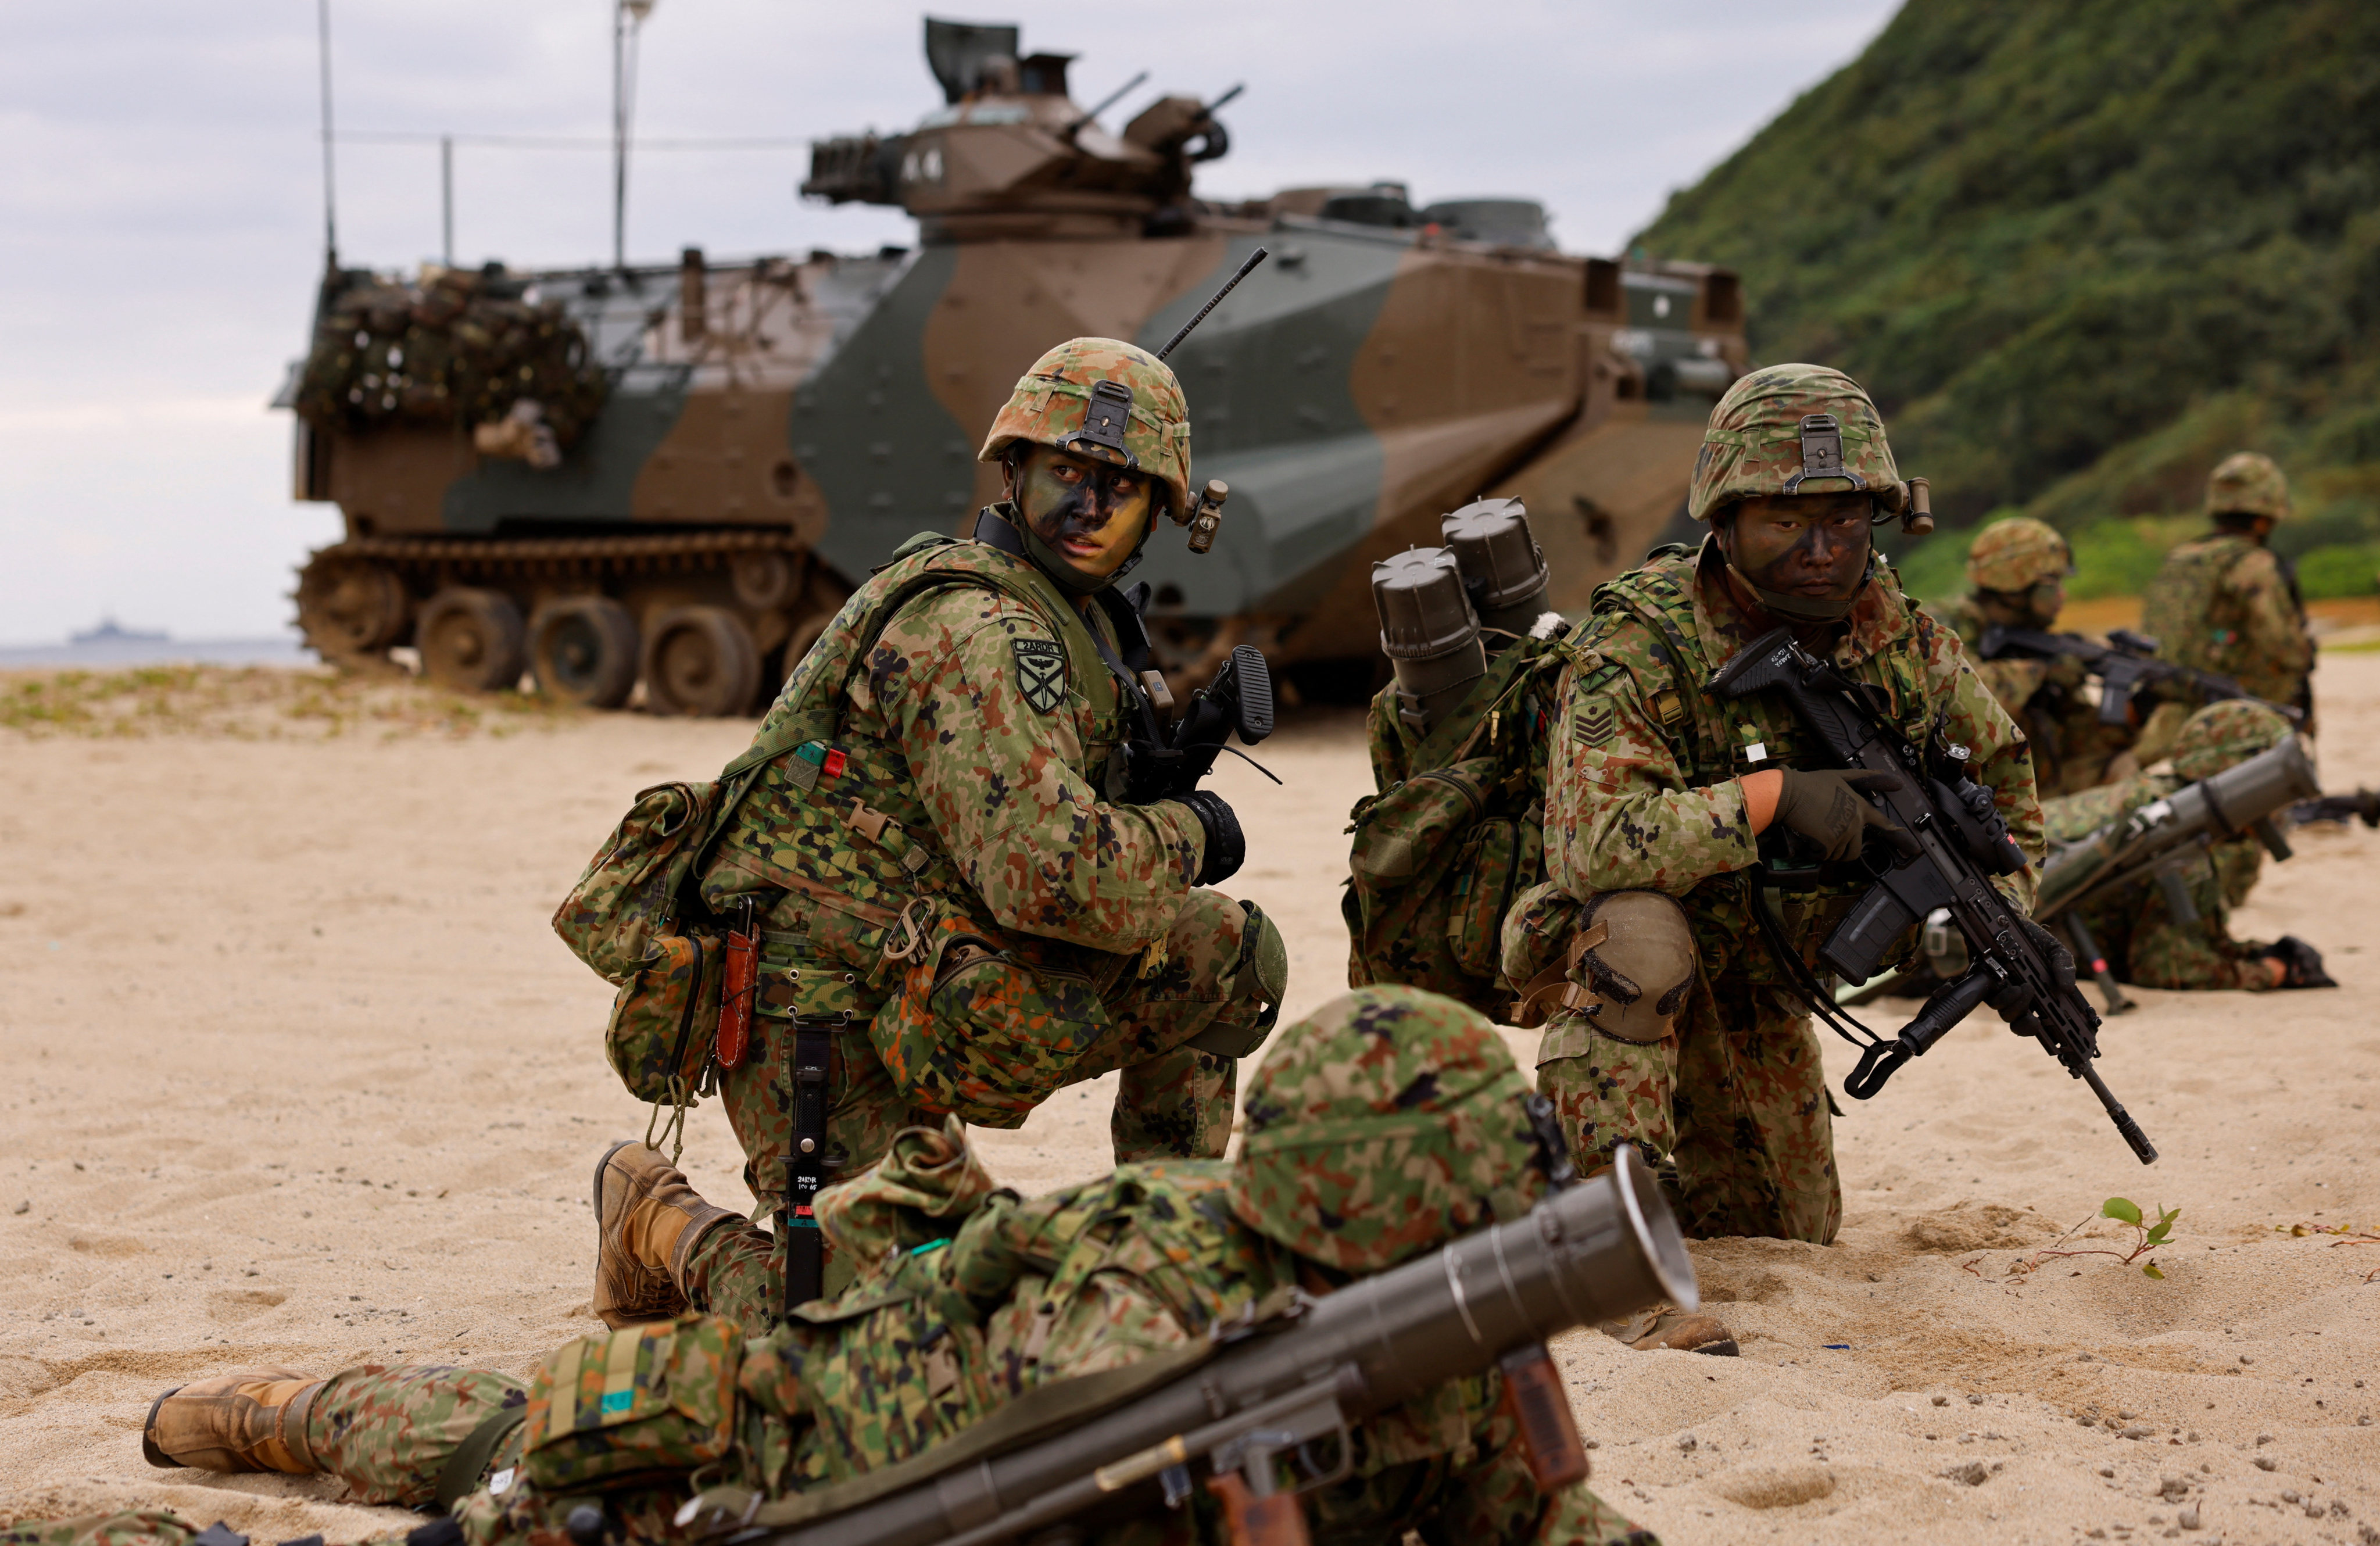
633 1406
653 1040
1485 868
1536 939
985 1027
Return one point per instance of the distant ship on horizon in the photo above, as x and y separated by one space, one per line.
111 632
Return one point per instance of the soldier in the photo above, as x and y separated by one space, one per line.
956 912
2133 925
973 1296
2017 569
2228 604
1674 1023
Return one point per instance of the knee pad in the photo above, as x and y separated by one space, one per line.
1258 981
1628 967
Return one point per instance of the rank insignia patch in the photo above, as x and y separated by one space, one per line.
1596 723
1040 671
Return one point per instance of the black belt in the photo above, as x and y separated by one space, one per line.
805 1166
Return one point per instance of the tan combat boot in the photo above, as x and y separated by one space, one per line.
250 1421
648 1221
1674 1328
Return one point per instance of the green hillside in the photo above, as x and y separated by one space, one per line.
2080 250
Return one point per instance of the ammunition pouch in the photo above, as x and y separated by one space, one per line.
632 1407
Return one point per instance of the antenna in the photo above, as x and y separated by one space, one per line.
627 20
330 190
1259 255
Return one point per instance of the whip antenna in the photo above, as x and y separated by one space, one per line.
1253 259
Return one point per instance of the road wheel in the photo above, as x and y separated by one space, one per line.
763 580
349 607
701 659
471 640
583 649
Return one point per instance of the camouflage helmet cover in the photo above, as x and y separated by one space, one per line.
2018 553
1386 1123
1053 399
2247 482
1753 444
2225 735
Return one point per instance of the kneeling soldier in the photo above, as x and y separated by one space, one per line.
1675 1025
970 1298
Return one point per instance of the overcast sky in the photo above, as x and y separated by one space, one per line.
161 195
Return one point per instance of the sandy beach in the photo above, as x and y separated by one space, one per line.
300 1074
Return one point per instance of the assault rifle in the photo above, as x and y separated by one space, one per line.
2165 838
2361 806
2124 665
1270 1391
1961 843
1171 761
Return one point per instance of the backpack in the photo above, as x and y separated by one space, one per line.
1440 852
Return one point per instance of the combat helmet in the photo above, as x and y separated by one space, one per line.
1388 1122
2248 483
1797 429
2017 554
2225 735
1108 400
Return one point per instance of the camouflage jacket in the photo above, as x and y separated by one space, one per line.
942 1330
1642 791
2134 928
2227 604
970 755
2071 747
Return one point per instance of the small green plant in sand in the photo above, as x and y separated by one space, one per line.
2147 1238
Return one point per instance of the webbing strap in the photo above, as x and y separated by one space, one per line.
459 1478
806 1167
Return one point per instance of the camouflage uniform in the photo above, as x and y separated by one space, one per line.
1642 794
2228 604
2133 925
2071 747
1387 1124
947 879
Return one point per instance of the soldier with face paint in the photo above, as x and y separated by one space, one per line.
957 912
1671 1021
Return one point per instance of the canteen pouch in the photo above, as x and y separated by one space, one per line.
636 1406
984 1028
663 1016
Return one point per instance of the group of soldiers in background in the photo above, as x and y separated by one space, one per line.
947 910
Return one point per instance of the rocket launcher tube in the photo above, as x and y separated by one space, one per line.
2236 801
1598 1250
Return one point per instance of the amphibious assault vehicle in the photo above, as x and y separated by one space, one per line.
674 476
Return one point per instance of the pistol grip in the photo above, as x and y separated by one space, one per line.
1540 1409
1275 1520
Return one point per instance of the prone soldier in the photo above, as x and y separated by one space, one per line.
2227 604
956 908
1674 1023
2136 927
2017 571
1384 1125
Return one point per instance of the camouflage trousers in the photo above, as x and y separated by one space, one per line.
1735 1101
1173 1099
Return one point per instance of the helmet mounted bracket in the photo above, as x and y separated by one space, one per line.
1105 419
1822 453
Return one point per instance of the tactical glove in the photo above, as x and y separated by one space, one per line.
2061 960
1826 808
2301 962
1226 849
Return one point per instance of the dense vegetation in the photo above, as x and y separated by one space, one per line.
2080 250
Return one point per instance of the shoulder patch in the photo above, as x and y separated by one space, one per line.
1040 671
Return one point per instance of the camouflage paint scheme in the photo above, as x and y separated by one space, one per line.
1642 795
1366 379
970 1295
2071 747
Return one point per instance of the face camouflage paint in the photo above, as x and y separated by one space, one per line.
1090 513
1804 555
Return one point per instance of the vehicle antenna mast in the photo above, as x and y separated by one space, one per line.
1259 255
330 194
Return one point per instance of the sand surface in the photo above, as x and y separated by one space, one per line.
298 1074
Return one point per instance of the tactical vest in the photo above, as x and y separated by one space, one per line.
1455 834
1714 738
